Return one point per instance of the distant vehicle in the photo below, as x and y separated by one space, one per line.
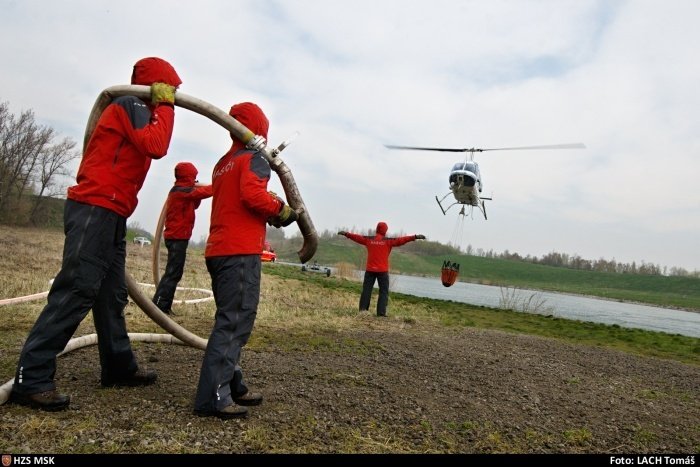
142 241
268 254
316 268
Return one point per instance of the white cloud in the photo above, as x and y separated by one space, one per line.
351 76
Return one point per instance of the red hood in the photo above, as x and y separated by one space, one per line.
185 174
382 228
252 117
154 70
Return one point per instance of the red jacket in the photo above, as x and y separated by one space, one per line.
179 216
378 249
183 199
129 134
241 204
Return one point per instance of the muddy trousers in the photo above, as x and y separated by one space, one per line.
382 279
92 276
236 287
177 255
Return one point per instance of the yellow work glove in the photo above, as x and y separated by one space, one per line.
285 217
162 93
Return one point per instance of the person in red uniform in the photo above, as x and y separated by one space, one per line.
378 250
129 134
184 198
241 208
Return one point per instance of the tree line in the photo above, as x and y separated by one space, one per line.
555 259
34 162
564 260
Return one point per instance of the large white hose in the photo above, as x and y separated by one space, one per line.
244 134
91 339
155 253
26 298
178 334
37 296
217 115
210 294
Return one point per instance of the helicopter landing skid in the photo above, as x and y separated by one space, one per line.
480 204
439 202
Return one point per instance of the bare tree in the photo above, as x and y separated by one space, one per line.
53 163
22 141
29 160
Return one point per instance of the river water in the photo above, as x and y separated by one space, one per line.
566 306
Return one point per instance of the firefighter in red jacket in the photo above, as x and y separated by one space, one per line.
129 134
184 198
378 250
241 208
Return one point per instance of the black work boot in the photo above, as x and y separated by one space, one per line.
139 378
49 400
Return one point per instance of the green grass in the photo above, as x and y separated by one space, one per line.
681 292
449 313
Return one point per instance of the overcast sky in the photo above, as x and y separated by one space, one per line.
620 76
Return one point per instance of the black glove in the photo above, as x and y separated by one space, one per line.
343 233
420 237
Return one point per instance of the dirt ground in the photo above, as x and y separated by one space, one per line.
384 389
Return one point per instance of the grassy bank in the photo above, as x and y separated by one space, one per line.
453 314
678 292
34 256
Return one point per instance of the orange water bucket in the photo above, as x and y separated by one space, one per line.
450 271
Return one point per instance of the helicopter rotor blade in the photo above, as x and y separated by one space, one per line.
550 146
473 150
391 146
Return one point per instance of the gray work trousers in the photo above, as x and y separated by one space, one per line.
236 286
92 276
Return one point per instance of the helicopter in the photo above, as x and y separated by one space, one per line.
465 177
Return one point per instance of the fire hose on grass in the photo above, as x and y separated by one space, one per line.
176 333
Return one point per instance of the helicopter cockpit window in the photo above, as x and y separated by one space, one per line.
468 166
472 167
